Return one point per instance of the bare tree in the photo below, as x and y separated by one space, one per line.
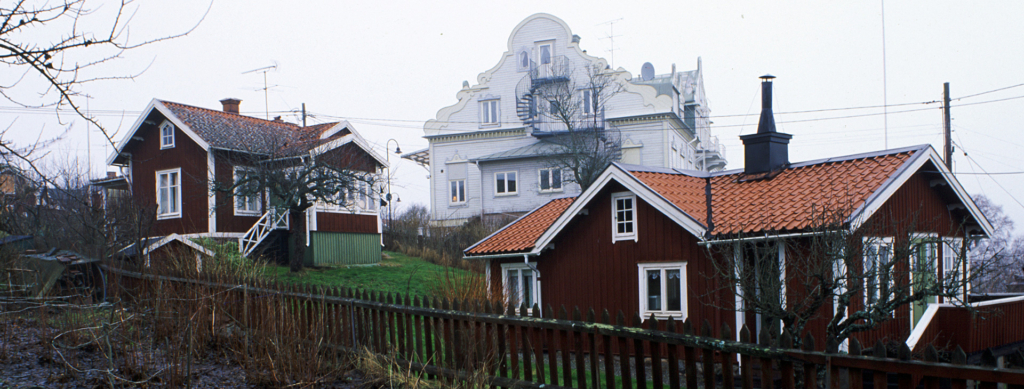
573 107
1004 250
298 173
861 276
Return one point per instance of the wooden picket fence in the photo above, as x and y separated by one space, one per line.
482 343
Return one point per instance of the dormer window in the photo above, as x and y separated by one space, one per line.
623 216
166 135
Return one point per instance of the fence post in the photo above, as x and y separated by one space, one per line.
786 367
906 381
766 363
988 360
552 350
881 379
959 358
624 370
931 355
595 376
673 357
690 355
728 381
581 367
609 358
709 357
656 376
746 370
810 371
856 375
525 332
638 355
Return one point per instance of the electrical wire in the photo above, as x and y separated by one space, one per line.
971 160
991 91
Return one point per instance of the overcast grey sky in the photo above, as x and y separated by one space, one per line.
389 66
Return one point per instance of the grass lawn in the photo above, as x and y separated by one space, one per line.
397 273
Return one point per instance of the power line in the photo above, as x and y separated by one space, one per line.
971 159
991 91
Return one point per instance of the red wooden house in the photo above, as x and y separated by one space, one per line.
638 239
174 153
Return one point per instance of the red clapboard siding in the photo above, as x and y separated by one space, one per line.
346 222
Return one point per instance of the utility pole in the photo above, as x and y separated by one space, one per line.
948 150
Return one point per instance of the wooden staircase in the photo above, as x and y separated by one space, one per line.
272 220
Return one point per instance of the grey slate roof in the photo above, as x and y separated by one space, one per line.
229 131
540 148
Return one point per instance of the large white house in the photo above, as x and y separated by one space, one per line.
488 153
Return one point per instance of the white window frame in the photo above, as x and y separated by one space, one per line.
520 268
616 236
950 251
490 112
505 180
872 297
523 54
453 194
663 313
164 144
243 199
551 171
589 105
540 52
171 187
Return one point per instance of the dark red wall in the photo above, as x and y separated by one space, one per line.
346 222
587 270
148 158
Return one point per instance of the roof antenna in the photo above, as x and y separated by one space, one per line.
266 100
611 38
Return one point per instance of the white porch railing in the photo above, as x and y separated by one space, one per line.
272 220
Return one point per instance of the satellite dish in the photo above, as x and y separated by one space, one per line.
647 71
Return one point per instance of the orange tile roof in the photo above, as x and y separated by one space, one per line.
521 235
787 202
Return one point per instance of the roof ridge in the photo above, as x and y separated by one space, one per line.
274 122
842 158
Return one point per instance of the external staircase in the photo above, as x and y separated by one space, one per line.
273 219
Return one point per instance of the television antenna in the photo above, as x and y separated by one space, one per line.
611 37
266 99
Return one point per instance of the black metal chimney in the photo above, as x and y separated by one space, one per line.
767 150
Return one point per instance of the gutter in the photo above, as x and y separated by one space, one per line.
708 243
496 256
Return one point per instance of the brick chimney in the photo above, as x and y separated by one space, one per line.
767 150
231 105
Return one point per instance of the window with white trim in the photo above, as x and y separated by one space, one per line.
457 191
589 102
623 216
247 201
878 265
925 254
952 263
168 193
550 180
166 135
545 54
489 112
521 284
662 289
524 60
505 183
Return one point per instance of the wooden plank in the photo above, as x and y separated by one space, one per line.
656 374
690 357
958 358
746 364
595 372
856 375
673 357
880 378
764 340
609 358
525 333
638 356
565 346
786 367
552 349
810 370
708 357
581 367
624 369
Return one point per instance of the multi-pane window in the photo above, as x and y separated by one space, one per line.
878 264
952 263
168 193
623 216
247 195
589 102
925 255
489 112
551 180
505 183
521 284
166 135
661 289
457 191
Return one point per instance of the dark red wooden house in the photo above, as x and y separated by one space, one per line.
174 153
638 239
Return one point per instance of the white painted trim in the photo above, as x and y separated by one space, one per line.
540 182
644 313
532 267
864 213
740 311
616 236
634 185
171 215
160 131
172 237
160 107
781 248
211 203
876 240
506 192
226 235
922 325
235 198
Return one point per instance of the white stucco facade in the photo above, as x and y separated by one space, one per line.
491 135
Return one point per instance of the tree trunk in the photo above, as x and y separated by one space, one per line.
298 255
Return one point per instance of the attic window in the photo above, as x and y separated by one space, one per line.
166 135
623 216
